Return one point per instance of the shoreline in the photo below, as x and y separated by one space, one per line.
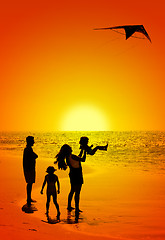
117 204
13 197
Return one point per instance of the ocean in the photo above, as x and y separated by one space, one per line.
134 150
123 192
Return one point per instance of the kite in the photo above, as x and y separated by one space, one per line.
129 30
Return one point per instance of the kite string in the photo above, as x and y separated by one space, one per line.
125 51
106 43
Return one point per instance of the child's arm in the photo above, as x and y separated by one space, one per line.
58 186
78 158
43 185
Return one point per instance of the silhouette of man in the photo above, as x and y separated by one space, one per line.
29 162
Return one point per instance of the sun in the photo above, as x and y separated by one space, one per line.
84 118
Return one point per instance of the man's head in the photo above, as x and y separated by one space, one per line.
30 140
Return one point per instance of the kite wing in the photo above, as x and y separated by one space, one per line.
129 30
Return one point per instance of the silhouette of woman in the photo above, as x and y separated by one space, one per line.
66 158
29 161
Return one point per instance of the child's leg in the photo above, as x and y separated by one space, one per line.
56 204
103 147
93 151
47 203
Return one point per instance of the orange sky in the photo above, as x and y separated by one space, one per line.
51 59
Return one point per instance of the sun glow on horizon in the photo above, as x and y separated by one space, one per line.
84 118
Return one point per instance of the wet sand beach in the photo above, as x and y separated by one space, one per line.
117 204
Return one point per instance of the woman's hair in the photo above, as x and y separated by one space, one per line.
62 156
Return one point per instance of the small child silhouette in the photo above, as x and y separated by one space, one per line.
91 151
51 179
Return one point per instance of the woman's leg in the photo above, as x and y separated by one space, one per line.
70 196
77 200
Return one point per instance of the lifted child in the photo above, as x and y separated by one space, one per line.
91 151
